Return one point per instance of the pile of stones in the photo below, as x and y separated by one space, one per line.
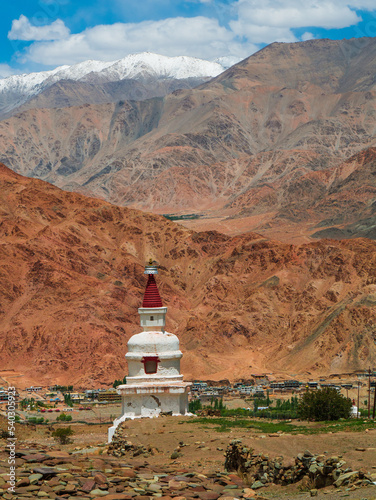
90 474
317 471
121 446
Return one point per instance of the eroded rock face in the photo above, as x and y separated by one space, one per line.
72 279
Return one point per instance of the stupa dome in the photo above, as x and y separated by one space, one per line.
153 342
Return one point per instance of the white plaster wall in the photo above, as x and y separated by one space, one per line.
183 401
135 368
146 405
159 315
169 367
166 368
153 342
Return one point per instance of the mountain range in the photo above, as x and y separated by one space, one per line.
262 146
71 281
136 76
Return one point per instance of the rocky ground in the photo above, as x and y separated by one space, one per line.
178 458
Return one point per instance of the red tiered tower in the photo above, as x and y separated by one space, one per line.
152 297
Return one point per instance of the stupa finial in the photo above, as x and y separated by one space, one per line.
151 267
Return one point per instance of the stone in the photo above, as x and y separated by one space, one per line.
154 487
34 478
208 495
257 484
32 487
118 496
128 473
248 493
100 478
344 479
58 454
34 458
98 493
25 481
226 498
177 485
313 493
46 472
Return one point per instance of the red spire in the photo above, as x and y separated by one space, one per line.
152 297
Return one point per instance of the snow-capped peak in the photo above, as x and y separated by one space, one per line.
132 66
17 89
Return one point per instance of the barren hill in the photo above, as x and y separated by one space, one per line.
255 142
71 280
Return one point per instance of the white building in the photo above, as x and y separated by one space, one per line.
154 383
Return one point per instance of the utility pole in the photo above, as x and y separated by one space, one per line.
374 402
369 393
358 412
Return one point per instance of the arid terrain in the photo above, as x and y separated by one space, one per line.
201 454
71 280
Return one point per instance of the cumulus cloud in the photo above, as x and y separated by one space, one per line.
273 20
22 29
6 70
307 36
195 36
236 29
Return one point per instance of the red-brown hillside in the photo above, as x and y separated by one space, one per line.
71 280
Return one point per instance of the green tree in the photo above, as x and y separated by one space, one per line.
63 434
194 406
67 399
324 404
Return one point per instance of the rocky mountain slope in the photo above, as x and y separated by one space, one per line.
71 280
136 76
254 147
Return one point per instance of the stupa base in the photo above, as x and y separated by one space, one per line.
150 401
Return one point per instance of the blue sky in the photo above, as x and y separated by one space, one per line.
42 34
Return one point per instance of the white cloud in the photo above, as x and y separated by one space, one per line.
248 24
196 36
22 29
6 70
273 20
307 36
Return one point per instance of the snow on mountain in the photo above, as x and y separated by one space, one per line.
17 89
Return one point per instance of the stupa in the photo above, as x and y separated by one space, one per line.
154 383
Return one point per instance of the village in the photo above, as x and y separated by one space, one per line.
103 404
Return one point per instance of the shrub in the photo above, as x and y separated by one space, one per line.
62 435
36 420
324 404
64 418
119 382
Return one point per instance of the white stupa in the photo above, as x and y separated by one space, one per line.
154 383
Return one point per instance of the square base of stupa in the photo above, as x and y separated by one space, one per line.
149 400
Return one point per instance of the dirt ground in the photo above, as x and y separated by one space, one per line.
203 448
